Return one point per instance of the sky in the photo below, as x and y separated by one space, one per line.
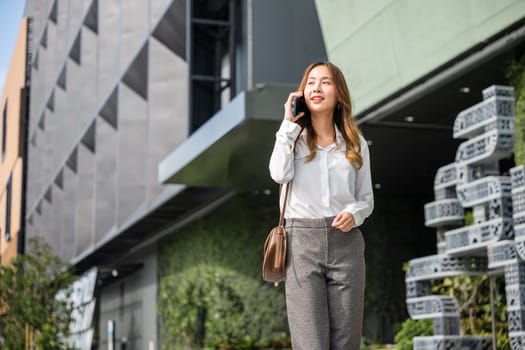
11 12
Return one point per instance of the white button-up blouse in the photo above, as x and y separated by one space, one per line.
326 185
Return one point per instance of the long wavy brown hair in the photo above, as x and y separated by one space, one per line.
343 118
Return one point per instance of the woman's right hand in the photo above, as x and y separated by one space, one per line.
288 107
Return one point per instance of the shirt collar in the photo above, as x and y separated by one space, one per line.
339 139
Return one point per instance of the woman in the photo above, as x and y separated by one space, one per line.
322 151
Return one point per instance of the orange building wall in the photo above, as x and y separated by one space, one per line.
12 162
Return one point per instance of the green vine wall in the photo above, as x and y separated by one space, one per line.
515 72
211 292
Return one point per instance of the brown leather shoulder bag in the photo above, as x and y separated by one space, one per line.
274 261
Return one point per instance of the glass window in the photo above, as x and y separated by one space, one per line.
8 210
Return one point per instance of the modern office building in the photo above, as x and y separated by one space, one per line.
148 115
13 127
117 86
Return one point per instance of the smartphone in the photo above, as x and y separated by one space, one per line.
298 105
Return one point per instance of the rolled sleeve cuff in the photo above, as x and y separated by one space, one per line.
359 213
358 218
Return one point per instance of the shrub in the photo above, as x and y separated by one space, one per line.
28 286
214 308
410 329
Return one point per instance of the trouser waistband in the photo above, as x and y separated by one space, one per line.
310 223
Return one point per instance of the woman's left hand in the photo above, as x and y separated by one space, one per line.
344 221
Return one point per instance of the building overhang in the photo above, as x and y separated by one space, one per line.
233 148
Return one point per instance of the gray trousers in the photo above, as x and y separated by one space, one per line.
325 285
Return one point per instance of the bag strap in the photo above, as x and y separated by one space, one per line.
288 185
281 218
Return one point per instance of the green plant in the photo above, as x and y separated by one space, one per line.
210 307
515 73
469 217
410 329
28 286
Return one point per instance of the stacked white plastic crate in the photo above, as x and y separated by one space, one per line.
489 127
510 256
473 181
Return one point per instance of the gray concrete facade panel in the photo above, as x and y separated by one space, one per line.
35 226
74 17
35 9
33 167
106 140
82 89
168 77
39 11
86 171
63 117
59 151
108 48
62 37
134 29
30 193
51 210
170 28
56 212
42 85
69 214
37 97
37 165
132 153
157 10
47 153
45 223
52 65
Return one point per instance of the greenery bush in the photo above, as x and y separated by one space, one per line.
410 329
215 308
211 292
28 286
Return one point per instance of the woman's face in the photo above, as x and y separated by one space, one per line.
320 93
